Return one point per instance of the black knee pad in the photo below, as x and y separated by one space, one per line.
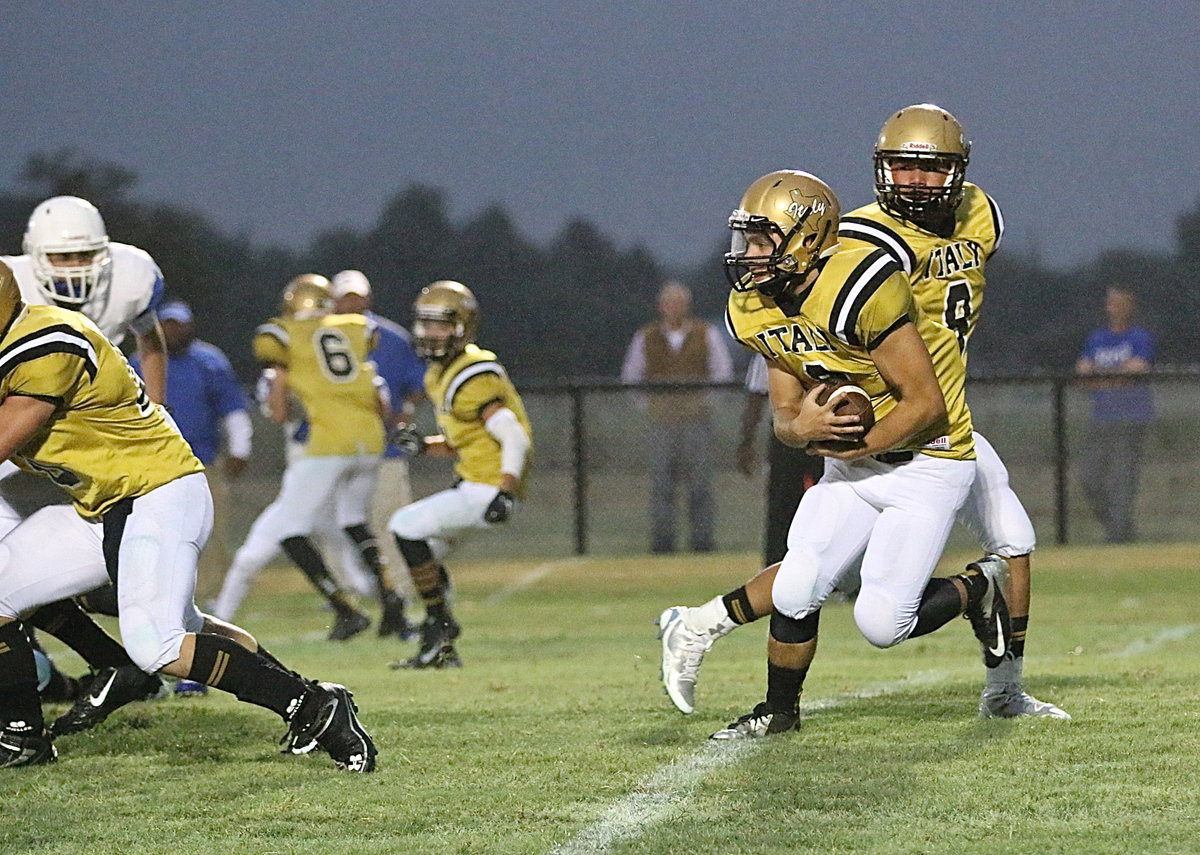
360 534
794 630
416 552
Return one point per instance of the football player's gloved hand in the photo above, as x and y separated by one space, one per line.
500 509
408 439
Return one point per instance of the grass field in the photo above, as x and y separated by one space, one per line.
556 737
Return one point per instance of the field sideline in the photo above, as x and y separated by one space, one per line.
556 736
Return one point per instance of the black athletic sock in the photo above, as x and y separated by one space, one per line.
940 604
67 622
737 606
784 686
976 584
224 664
19 701
305 556
272 661
368 548
1019 627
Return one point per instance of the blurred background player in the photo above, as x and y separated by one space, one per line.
942 230
1122 409
209 408
321 359
70 262
484 426
402 372
679 347
73 410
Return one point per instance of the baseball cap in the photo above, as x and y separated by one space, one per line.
175 310
350 282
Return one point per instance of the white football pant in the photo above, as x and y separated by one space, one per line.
445 517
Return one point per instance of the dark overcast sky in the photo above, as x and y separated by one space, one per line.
647 118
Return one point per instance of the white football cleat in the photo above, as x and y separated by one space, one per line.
682 652
1011 701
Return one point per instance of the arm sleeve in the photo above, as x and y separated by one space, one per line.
145 322
633 369
514 443
238 429
720 365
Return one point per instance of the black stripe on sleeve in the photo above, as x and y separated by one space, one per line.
878 340
877 234
997 223
59 338
858 289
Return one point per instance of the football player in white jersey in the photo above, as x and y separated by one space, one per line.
69 262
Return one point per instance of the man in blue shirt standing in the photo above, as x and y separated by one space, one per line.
209 406
404 372
1122 409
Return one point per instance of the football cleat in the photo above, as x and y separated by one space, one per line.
1010 701
761 721
190 688
348 625
682 652
20 746
110 690
989 614
392 620
437 646
327 717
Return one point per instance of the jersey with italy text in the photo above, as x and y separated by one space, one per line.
460 392
331 376
828 332
129 303
106 440
947 273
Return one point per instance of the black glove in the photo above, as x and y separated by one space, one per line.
408 439
500 509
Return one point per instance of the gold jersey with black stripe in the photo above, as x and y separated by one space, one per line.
460 392
861 297
331 376
106 440
947 273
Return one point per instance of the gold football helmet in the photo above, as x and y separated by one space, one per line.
798 214
445 318
10 296
307 296
927 135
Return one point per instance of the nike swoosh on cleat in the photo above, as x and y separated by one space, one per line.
999 649
98 700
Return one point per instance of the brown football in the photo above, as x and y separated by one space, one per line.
851 401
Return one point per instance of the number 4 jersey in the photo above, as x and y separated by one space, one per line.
328 371
106 441
946 273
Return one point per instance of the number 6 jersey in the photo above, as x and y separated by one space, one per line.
106 441
329 372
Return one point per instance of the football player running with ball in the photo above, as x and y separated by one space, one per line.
942 230
73 411
485 428
822 315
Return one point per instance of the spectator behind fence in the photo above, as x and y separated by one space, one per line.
208 405
790 471
682 348
1121 413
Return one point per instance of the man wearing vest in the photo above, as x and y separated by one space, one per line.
679 347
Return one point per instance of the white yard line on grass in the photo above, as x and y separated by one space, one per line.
666 790
534 576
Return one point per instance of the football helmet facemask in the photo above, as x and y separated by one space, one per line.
10 296
307 296
441 306
798 213
62 226
921 135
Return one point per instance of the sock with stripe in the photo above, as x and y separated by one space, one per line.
224 664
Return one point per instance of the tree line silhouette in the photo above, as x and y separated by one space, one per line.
568 308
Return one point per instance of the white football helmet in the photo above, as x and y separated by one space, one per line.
69 225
